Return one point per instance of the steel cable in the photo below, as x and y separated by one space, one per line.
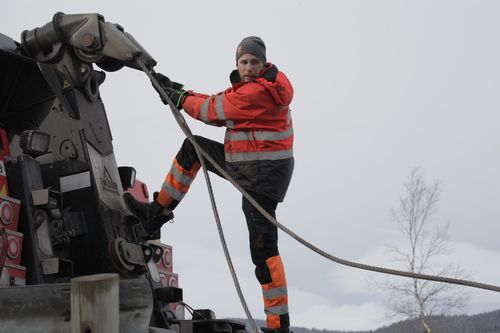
181 121
199 152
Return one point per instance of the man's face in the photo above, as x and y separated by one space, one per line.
249 67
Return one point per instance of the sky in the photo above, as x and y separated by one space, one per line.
381 87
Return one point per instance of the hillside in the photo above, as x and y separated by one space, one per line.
481 323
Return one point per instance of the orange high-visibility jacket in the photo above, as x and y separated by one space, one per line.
258 143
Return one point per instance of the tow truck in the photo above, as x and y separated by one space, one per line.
62 215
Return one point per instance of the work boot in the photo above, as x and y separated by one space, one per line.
152 215
275 330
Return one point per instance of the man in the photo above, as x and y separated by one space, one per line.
257 152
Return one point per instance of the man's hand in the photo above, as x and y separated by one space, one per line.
167 85
176 96
270 74
165 82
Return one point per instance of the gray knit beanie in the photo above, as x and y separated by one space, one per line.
253 45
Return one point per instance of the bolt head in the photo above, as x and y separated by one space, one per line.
87 39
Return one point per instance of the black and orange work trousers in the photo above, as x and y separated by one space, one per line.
263 234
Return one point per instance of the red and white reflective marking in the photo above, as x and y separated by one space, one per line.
9 212
13 250
6 212
167 257
14 247
13 275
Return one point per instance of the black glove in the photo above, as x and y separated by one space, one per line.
177 96
166 84
270 74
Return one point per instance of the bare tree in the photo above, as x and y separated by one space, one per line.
412 298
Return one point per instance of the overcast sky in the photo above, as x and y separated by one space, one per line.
381 87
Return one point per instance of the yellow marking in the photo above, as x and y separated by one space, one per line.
3 191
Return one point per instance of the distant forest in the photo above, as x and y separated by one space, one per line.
481 323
